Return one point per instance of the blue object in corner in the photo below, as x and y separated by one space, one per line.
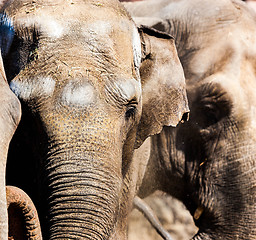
6 33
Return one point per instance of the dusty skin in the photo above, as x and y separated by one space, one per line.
92 87
209 163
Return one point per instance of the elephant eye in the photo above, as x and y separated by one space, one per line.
212 114
214 104
131 110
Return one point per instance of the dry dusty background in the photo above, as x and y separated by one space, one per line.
171 213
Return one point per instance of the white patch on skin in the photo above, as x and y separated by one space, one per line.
47 25
136 44
76 94
46 85
99 28
25 90
54 29
22 90
130 88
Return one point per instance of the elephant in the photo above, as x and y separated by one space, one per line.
209 163
93 87
10 114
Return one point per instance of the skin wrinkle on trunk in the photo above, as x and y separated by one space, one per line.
82 212
212 196
236 188
89 211
71 168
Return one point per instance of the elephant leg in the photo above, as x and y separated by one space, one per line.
23 218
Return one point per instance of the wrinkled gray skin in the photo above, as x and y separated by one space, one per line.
90 93
10 114
209 163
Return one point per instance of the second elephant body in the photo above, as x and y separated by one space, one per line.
209 162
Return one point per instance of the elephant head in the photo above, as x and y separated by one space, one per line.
209 162
92 87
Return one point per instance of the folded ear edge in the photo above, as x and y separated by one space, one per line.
153 32
146 32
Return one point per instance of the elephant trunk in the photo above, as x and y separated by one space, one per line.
83 198
23 217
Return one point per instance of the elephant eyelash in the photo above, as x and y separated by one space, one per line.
131 110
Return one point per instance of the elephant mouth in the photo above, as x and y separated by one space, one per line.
203 218
198 213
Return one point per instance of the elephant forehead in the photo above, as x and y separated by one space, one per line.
98 27
78 94
120 39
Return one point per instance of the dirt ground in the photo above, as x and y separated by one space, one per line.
171 213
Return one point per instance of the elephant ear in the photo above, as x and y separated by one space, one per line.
164 99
